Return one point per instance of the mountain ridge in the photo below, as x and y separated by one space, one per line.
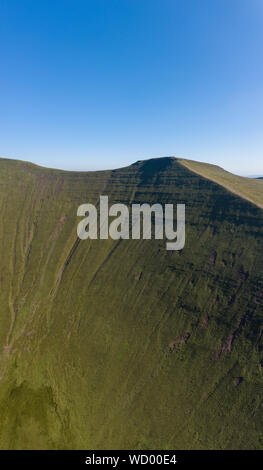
252 193
244 187
121 344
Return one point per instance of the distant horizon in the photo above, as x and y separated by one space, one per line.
73 169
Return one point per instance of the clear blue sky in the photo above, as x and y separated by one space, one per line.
93 84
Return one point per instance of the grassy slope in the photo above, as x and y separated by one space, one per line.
248 188
92 332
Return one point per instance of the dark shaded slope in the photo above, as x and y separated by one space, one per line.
121 344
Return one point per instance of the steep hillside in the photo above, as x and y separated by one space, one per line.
122 344
248 188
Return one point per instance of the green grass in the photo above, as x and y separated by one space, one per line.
248 188
86 327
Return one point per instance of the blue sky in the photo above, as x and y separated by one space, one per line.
94 84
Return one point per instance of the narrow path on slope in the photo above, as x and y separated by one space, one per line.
187 165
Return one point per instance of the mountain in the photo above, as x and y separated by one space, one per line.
122 344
